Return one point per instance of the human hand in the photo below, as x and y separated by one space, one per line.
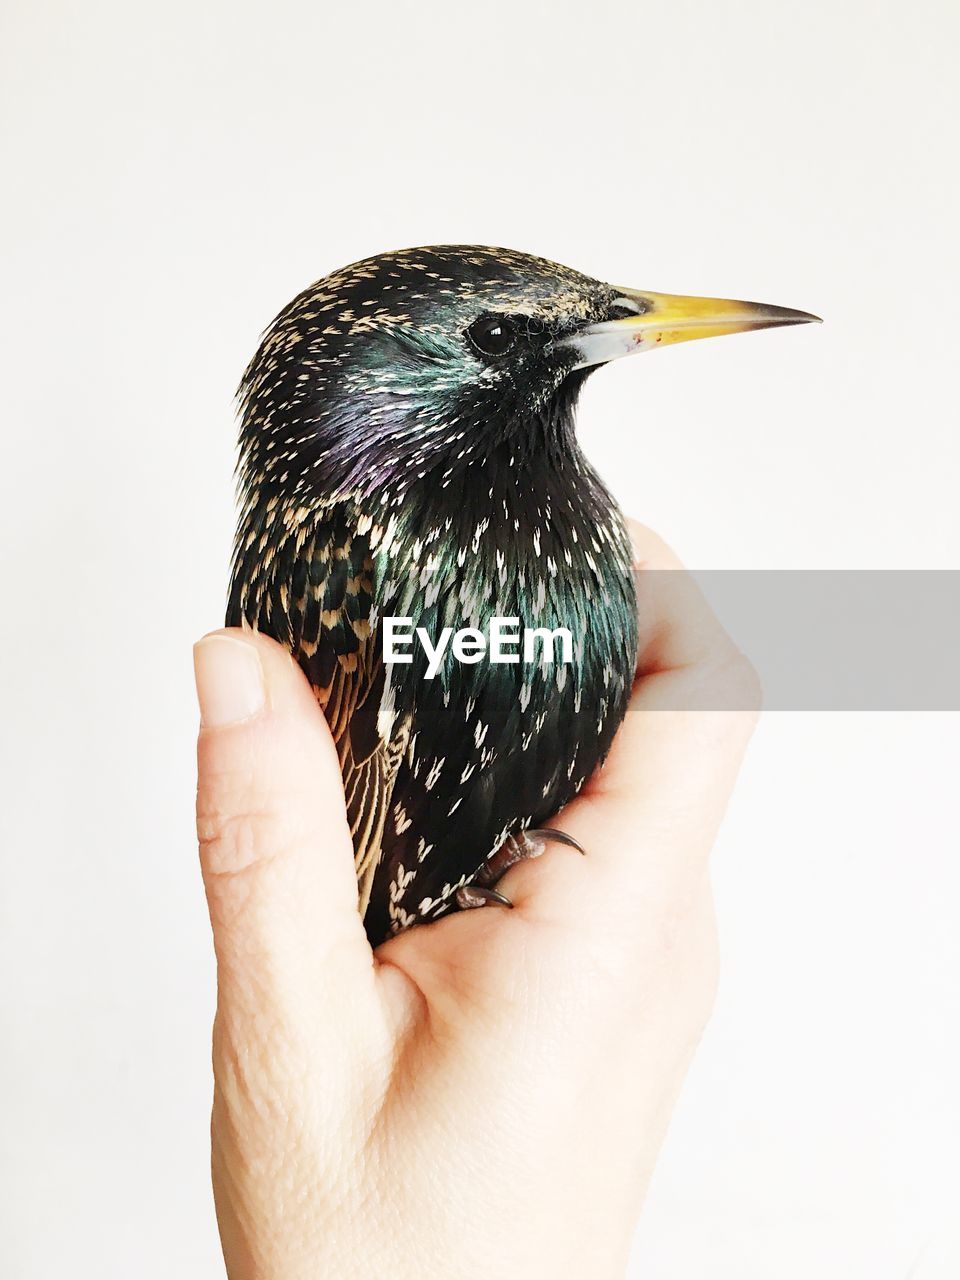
486 1095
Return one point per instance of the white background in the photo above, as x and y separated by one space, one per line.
174 174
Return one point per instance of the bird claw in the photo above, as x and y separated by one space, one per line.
525 844
470 896
548 834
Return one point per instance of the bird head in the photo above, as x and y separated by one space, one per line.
410 366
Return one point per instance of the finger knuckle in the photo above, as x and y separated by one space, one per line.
236 841
733 684
748 682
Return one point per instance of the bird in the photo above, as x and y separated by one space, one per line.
407 452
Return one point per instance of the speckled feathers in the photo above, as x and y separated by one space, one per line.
387 469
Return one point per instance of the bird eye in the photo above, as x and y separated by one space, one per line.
492 335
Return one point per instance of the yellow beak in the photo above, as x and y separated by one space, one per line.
661 319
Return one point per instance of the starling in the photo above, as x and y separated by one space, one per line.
407 451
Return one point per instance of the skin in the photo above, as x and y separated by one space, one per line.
487 1095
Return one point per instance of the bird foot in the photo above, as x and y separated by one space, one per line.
525 844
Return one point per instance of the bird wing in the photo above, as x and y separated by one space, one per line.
314 594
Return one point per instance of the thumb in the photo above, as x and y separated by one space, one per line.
275 848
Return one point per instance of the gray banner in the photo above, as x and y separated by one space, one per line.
843 640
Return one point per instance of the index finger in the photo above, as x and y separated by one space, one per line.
649 817
678 629
661 795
